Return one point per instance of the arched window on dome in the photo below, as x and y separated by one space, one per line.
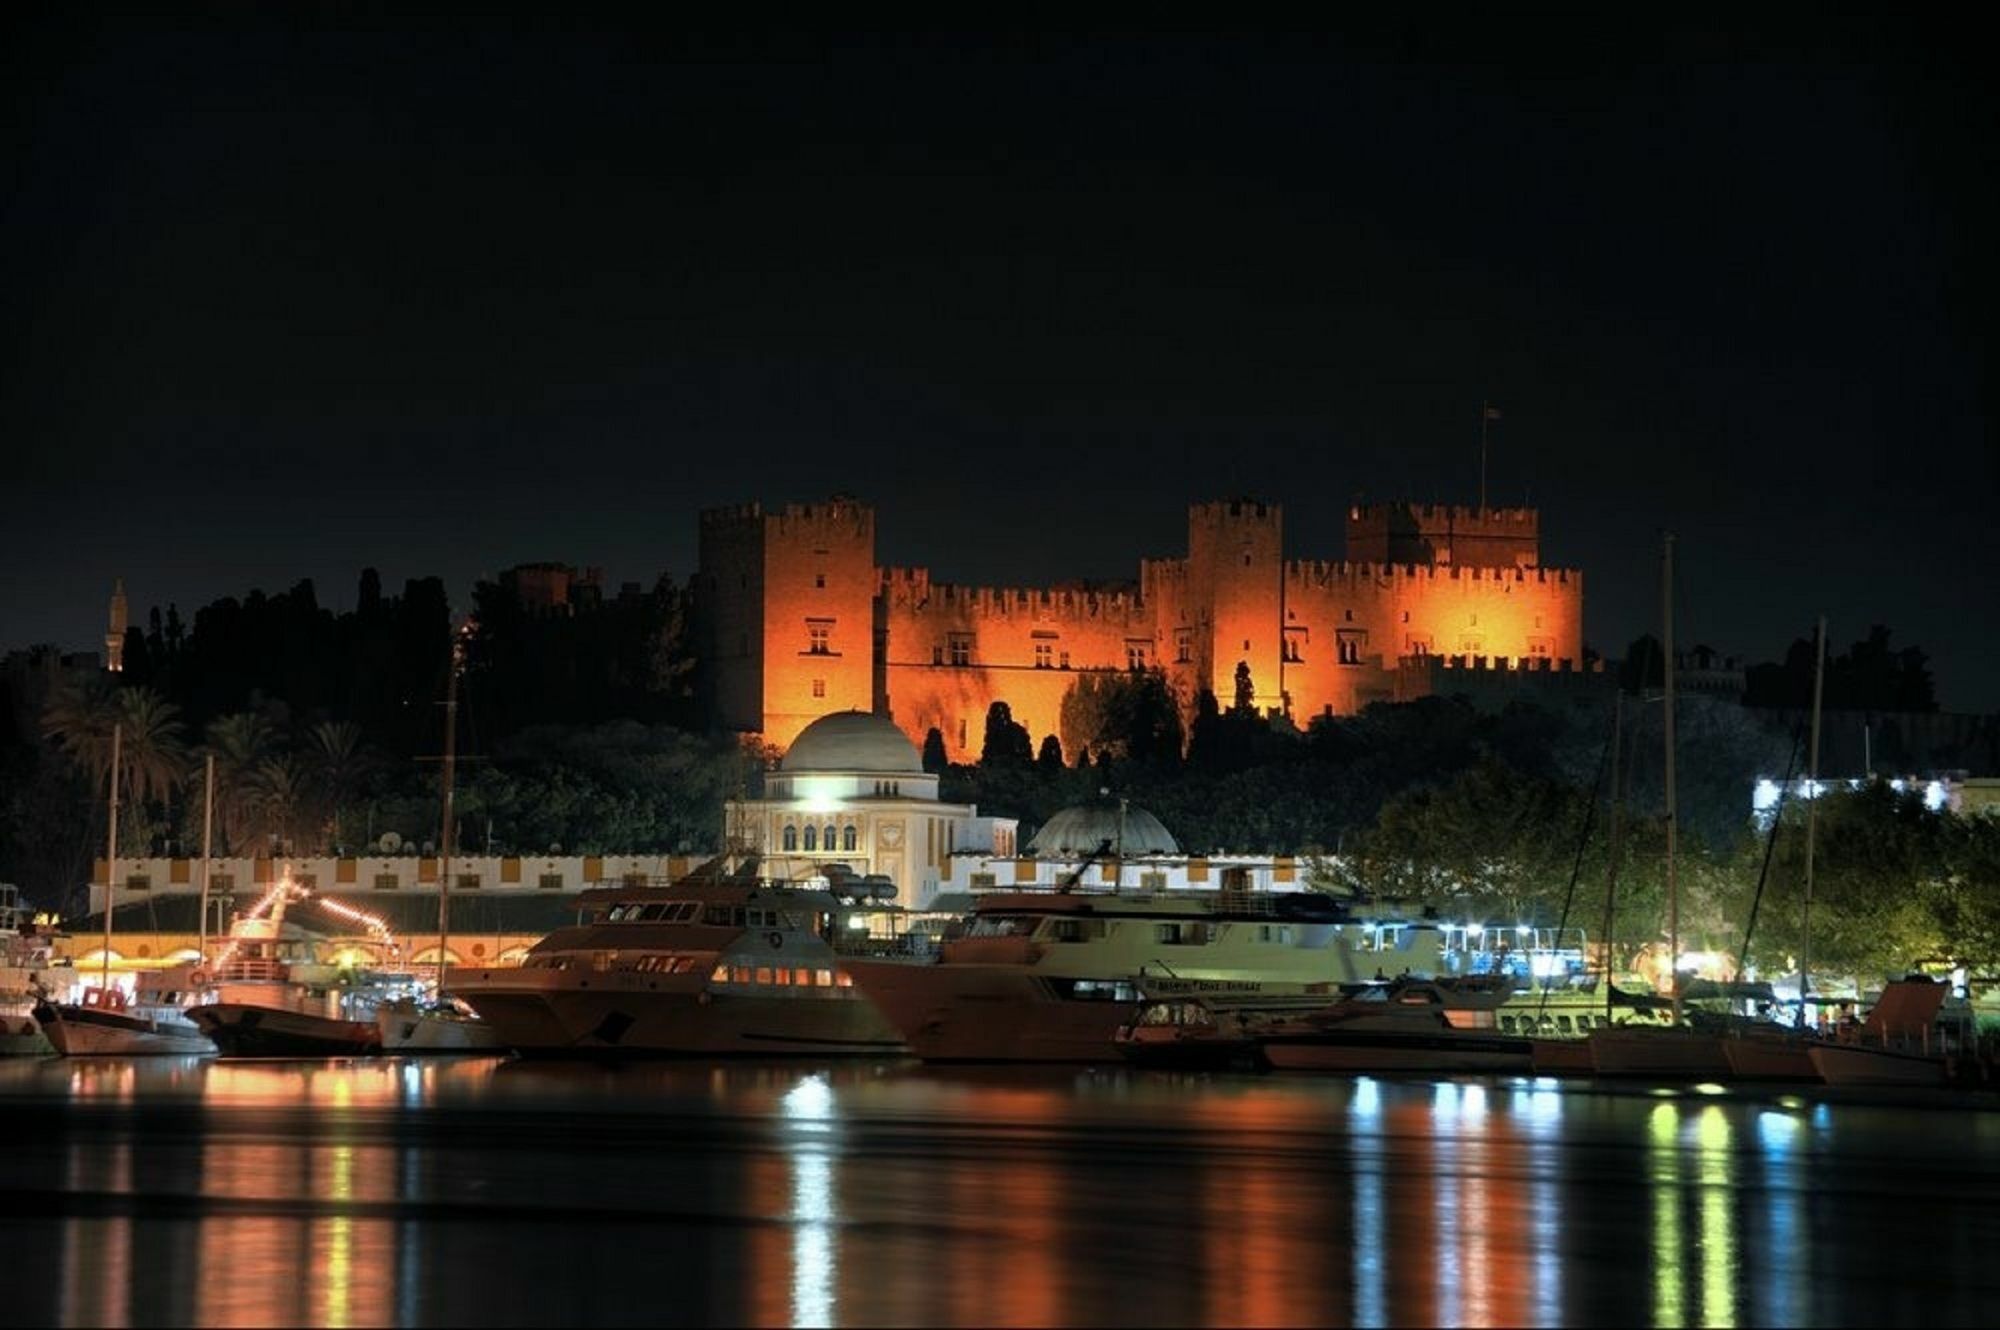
812 840
830 839
847 838
791 839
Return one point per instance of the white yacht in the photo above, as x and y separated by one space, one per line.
718 963
152 1020
1050 976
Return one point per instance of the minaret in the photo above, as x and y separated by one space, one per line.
114 639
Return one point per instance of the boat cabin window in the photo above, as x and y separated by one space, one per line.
1278 933
1003 925
1181 934
1075 930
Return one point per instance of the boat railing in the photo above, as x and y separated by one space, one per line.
252 969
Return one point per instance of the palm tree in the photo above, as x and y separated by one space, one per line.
338 760
239 742
79 716
154 757
282 801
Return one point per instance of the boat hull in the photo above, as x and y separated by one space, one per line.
82 1032
22 1037
1764 1058
548 1013
407 1030
1851 1064
241 1030
1657 1051
1176 1051
990 1013
1562 1057
1358 1051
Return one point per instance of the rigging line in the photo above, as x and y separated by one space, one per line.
1770 843
1576 867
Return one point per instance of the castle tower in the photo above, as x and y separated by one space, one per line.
1437 534
114 636
1235 599
786 616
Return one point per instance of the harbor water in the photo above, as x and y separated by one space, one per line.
496 1192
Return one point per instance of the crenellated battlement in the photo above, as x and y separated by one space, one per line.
851 514
1326 573
1458 516
911 590
1218 510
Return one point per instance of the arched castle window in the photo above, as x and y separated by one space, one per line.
828 841
791 839
812 840
847 837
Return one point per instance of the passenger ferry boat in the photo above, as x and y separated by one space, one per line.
718 963
1050 976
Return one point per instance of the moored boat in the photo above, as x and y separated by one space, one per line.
106 1022
718 963
407 1025
274 997
1390 1032
1898 1043
1051 976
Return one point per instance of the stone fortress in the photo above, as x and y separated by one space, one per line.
798 620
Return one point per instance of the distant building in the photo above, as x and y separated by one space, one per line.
553 588
114 633
796 619
851 798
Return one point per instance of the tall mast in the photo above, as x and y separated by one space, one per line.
1611 856
111 848
1673 888
1812 809
444 836
207 848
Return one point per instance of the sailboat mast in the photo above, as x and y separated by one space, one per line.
444 836
111 848
1812 809
207 848
1611 857
1673 888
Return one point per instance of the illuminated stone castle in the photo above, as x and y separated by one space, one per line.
797 620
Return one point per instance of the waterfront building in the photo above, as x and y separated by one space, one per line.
797 619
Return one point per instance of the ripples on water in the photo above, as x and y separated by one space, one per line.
498 1193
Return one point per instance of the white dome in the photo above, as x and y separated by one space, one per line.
852 741
1081 829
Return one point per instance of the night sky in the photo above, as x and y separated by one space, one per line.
287 301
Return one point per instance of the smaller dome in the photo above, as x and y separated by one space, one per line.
1080 829
852 741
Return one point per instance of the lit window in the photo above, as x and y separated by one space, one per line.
1350 642
828 839
1044 655
848 837
818 632
812 839
791 839
961 648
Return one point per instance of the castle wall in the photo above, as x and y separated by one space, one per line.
729 615
952 651
819 615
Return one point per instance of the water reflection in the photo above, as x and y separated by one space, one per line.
413 1193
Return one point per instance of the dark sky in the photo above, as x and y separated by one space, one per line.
286 300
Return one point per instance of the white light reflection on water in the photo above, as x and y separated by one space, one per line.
1542 1111
1784 1289
809 1112
1364 1141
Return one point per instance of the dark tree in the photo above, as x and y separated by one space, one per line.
1246 691
1007 743
936 760
1050 760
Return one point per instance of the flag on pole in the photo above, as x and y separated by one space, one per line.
1493 413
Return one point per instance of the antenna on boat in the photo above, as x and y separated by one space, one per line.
452 669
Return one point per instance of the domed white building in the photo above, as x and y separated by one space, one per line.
852 791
